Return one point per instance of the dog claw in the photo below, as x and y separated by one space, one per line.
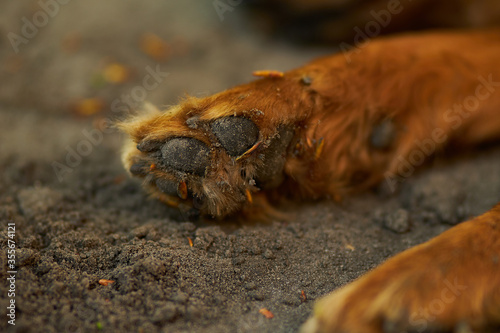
182 190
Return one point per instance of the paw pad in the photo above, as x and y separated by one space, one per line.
186 154
208 174
138 169
167 186
236 134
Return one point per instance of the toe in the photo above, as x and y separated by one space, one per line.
138 169
236 134
167 186
186 154
147 146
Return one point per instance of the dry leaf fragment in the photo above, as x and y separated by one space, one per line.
266 313
115 73
350 247
154 46
248 194
303 296
268 73
89 106
319 148
105 282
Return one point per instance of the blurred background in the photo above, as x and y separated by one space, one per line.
79 56
73 66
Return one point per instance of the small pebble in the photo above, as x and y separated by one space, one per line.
398 221
257 295
180 297
166 313
250 286
268 254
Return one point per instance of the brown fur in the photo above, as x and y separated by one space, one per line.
450 279
417 82
412 80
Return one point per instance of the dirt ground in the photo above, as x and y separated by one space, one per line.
79 218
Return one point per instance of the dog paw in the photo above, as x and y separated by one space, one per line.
449 284
207 158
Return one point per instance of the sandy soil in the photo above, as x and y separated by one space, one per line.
79 218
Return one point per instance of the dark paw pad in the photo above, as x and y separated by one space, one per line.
167 186
236 134
149 146
186 154
138 169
